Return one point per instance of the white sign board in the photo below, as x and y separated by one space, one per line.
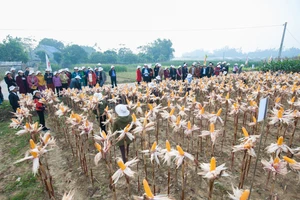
262 111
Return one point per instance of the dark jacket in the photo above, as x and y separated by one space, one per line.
120 124
14 100
101 108
75 84
10 81
22 84
110 72
48 78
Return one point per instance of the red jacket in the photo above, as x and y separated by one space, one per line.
138 75
94 79
38 106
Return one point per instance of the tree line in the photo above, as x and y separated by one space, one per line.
19 49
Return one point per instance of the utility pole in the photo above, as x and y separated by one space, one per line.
282 39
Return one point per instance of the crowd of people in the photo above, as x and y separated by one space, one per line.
183 72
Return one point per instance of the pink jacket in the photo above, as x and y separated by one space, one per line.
32 82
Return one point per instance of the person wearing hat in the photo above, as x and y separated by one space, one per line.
210 69
100 111
41 81
179 72
166 73
40 108
217 70
32 81
13 72
13 97
138 75
158 79
102 76
9 80
192 69
241 68
189 78
123 119
235 68
21 81
48 76
173 72
91 78
57 83
76 72
113 76
64 79
83 76
146 74
204 71
75 83
160 71
156 69
69 75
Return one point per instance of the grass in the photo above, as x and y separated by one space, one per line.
13 148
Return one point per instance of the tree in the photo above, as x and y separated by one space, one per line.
41 55
96 57
57 57
125 55
51 42
11 49
110 56
159 50
88 49
74 54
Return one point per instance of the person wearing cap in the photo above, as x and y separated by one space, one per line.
100 111
64 79
166 73
217 70
57 83
13 97
173 72
241 68
48 76
9 80
32 81
123 119
41 81
40 108
91 78
21 81
146 74
113 76
75 83
138 75
235 68
102 76
13 72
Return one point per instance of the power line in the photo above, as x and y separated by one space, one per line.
144 30
293 36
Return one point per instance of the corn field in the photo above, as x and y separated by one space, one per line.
197 140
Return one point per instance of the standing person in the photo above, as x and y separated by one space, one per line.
41 81
9 80
102 76
40 108
197 70
166 73
210 69
235 68
179 73
138 75
146 73
49 80
173 72
156 69
75 83
32 81
26 71
1 95
76 72
84 75
241 68
22 83
69 75
123 119
64 79
217 70
113 76
192 69
151 73
13 72
160 71
184 72
57 83
13 97
100 111
97 74
204 72
92 79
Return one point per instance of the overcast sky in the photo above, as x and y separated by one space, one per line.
189 24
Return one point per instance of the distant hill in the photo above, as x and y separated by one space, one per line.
232 53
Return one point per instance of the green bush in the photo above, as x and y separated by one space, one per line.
285 65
